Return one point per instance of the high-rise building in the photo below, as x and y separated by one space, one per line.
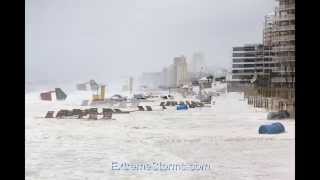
247 62
267 30
197 64
181 71
283 44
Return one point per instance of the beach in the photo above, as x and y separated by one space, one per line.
224 136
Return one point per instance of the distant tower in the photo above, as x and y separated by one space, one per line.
181 70
198 63
131 84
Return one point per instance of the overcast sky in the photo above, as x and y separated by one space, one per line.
109 39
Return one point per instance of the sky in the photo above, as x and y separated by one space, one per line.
110 39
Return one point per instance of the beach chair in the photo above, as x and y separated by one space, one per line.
49 114
190 105
70 113
93 113
181 103
194 104
77 112
84 112
201 104
119 111
140 108
148 108
106 113
162 103
61 113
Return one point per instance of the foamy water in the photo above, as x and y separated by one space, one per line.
225 136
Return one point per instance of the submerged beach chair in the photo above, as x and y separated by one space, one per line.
119 111
201 104
190 105
93 113
182 103
49 114
77 112
168 103
62 113
106 113
148 108
140 108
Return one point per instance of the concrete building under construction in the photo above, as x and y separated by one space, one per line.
283 44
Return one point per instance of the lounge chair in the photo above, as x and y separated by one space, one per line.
77 112
62 113
106 115
168 103
140 108
148 108
181 103
49 114
93 113
201 104
118 111
190 105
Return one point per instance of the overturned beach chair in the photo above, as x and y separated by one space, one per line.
140 108
148 108
49 114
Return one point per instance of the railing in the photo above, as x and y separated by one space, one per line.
285 17
284 38
284 48
287 6
284 28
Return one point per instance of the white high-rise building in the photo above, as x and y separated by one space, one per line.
181 71
197 64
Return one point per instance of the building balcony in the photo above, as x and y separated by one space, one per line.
282 80
284 28
243 73
284 38
284 48
244 68
285 17
286 7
